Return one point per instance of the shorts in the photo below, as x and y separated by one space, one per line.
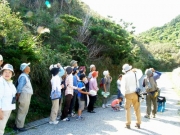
81 104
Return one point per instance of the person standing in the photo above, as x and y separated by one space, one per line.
93 86
56 85
68 93
24 93
106 86
7 95
151 97
128 88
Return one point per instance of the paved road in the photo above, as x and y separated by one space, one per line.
107 122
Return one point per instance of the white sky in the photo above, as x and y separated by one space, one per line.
144 14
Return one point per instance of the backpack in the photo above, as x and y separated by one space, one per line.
101 83
161 104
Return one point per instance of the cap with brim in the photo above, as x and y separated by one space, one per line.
126 67
24 65
73 62
9 67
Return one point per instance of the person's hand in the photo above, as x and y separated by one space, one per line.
17 96
87 93
152 69
62 85
134 69
78 89
58 64
1 114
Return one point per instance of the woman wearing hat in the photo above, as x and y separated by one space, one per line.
7 95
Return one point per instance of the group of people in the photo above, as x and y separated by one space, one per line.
74 87
9 94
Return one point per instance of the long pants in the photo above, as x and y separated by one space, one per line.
104 101
73 101
23 107
3 122
150 100
54 110
91 102
132 99
66 106
60 105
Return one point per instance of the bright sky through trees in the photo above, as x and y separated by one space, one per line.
144 14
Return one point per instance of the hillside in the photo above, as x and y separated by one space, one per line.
168 33
160 46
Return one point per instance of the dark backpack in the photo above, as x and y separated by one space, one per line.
101 83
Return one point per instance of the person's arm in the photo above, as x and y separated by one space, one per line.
123 86
61 71
81 87
21 84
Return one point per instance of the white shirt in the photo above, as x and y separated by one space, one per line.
119 84
56 83
7 92
128 83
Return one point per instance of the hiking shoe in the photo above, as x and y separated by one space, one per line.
147 116
80 118
128 127
154 116
20 129
66 119
54 122
103 106
106 106
137 125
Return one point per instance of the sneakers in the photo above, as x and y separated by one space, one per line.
54 122
80 118
103 106
154 116
128 127
66 119
19 129
147 116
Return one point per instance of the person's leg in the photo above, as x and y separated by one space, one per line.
60 106
23 107
72 104
128 104
3 122
136 105
54 109
66 106
148 104
90 106
93 101
154 101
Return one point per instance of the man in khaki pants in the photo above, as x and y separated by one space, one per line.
128 88
24 93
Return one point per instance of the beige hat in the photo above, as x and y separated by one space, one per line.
1 57
73 62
